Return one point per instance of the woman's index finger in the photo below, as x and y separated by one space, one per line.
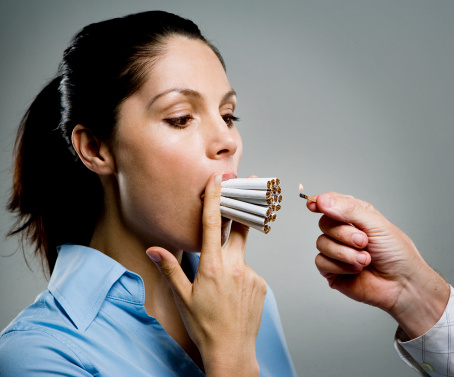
211 217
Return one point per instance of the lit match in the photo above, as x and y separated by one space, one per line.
305 196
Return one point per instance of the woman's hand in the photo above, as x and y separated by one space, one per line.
222 309
370 260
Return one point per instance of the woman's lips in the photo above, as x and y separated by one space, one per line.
225 177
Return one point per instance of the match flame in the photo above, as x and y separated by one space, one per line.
300 187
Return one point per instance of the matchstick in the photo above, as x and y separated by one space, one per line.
300 188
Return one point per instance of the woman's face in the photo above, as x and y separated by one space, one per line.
172 135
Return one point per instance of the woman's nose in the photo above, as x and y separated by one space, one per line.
223 140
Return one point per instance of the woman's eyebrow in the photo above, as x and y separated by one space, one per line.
228 95
184 91
189 93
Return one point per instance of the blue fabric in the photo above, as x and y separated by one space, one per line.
91 322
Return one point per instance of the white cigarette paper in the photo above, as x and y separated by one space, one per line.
240 215
259 202
246 207
245 194
262 228
250 183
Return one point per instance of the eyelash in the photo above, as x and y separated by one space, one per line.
229 119
176 122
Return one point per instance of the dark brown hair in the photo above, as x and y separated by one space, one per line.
55 197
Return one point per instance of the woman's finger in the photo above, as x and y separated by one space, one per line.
236 244
343 233
342 253
211 219
171 270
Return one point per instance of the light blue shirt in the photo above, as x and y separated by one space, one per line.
92 322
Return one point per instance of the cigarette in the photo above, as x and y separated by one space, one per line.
245 194
241 216
246 207
250 183
305 196
260 202
262 228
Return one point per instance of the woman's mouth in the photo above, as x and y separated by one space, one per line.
225 177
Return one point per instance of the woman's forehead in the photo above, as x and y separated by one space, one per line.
187 63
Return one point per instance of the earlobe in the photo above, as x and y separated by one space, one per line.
93 152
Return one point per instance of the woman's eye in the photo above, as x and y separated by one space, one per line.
179 122
229 119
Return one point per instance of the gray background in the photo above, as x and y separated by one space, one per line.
352 96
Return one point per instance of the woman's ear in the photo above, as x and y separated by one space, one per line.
93 152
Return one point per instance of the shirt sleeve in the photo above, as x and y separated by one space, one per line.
431 354
37 353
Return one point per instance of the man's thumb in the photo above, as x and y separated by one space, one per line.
170 268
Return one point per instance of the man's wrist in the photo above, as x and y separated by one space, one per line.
422 302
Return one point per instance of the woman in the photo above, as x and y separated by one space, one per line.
111 160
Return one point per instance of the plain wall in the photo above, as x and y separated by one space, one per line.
347 95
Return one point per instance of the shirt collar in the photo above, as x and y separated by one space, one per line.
80 281
83 277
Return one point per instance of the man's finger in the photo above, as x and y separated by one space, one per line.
342 232
352 211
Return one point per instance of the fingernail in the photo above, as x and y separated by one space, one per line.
218 180
326 201
361 258
155 257
358 240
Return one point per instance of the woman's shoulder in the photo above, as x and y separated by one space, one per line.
35 351
35 343
36 340
43 314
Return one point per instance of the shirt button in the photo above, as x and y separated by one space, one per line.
427 367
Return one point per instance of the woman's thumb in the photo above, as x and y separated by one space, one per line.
170 268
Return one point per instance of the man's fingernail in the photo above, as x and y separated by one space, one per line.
218 180
358 240
326 201
155 257
361 258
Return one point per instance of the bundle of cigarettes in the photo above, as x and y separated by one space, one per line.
251 201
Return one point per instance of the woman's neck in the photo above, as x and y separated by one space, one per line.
113 239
